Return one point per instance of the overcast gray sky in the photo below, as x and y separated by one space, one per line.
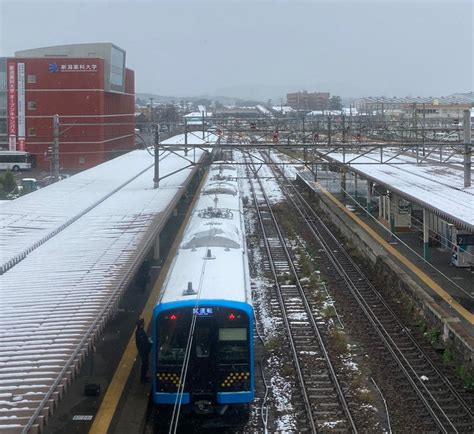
262 48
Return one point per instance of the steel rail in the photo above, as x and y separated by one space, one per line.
303 208
285 318
329 366
314 325
394 316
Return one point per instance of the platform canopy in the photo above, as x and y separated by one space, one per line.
69 251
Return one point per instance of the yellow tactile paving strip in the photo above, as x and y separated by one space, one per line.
407 263
114 392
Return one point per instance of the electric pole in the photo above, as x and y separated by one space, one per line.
329 130
55 155
185 136
151 110
156 179
203 128
467 147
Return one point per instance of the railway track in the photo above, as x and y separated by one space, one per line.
323 405
442 406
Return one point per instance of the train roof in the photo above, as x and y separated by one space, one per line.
211 262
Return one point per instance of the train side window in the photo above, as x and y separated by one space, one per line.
203 342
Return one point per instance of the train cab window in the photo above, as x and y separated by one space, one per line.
172 341
233 347
203 342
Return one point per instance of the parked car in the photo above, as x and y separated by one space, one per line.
51 180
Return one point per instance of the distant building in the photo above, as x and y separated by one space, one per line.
308 100
90 89
451 106
197 118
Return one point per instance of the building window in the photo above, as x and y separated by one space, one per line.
31 105
31 79
82 160
31 131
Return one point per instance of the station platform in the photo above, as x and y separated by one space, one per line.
450 287
457 281
68 252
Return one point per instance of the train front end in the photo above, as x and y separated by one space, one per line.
203 356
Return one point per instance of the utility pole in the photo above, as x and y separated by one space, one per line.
203 128
151 110
305 157
415 123
55 155
343 128
156 179
423 128
467 147
329 130
350 123
304 129
185 137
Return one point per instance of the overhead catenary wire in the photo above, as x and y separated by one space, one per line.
184 369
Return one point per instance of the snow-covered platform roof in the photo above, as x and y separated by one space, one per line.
194 138
82 239
438 188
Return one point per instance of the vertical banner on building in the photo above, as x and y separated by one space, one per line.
11 106
21 106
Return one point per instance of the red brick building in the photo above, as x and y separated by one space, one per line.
308 100
90 89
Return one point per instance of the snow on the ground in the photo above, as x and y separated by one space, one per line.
267 320
333 424
272 189
290 170
298 316
282 392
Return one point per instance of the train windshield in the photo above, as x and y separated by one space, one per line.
172 340
233 346
219 334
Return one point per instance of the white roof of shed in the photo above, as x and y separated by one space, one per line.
194 138
439 188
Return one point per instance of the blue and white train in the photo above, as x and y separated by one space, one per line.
202 328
